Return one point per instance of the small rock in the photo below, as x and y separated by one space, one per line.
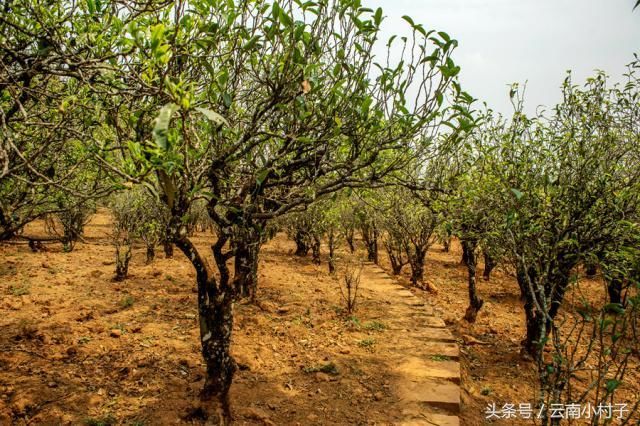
21 404
322 377
470 340
115 333
312 417
14 306
5 414
45 265
266 306
94 401
283 310
52 384
378 396
257 414
345 351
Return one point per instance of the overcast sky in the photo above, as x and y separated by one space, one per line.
505 41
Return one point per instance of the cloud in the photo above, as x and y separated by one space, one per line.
505 41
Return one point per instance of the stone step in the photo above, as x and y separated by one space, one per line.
429 321
433 334
430 350
424 360
430 419
408 311
435 366
416 324
433 394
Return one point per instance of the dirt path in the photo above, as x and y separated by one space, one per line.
425 361
77 348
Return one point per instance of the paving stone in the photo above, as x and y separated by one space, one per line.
432 393
434 334
429 349
424 363
431 419
434 366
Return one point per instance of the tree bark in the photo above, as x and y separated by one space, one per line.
370 237
168 249
475 303
396 264
151 253
349 237
614 289
446 244
6 235
247 243
489 264
416 260
216 326
215 313
395 256
301 244
123 256
465 256
549 288
535 321
331 242
315 250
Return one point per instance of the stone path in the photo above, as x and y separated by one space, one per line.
425 364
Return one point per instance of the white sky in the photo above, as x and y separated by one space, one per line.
506 41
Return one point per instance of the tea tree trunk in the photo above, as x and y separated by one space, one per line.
151 253
167 246
349 238
247 244
370 237
489 265
123 256
475 303
546 292
416 261
315 250
395 254
331 242
215 314
216 325
302 247
614 289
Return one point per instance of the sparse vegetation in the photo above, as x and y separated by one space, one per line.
127 302
107 420
328 368
374 326
350 284
367 343
19 290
